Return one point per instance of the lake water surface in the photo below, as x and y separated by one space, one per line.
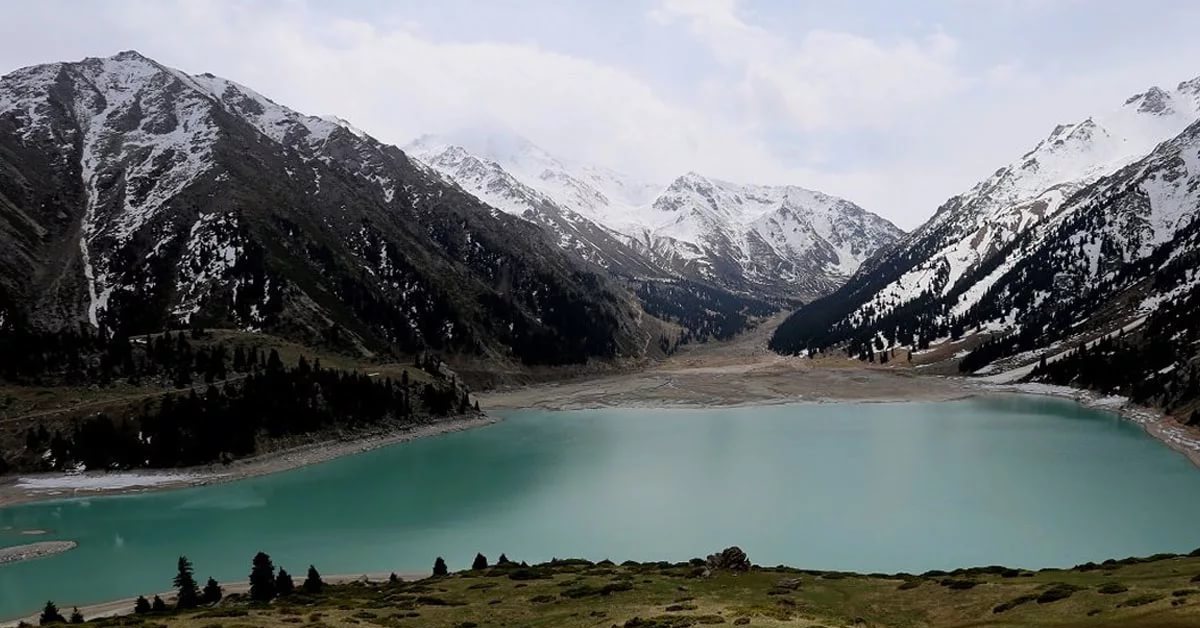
1020 481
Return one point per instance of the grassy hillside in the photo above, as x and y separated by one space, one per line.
1161 591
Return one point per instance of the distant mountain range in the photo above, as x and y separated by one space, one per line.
780 243
135 197
1076 263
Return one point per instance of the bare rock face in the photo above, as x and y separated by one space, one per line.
729 559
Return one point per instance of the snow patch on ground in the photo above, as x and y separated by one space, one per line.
105 481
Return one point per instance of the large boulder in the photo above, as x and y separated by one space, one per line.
730 559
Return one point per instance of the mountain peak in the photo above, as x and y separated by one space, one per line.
131 55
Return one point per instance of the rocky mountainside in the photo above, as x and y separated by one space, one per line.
135 197
1089 239
772 242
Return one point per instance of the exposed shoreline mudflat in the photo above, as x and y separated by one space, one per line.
48 486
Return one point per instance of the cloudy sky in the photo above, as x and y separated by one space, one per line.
896 105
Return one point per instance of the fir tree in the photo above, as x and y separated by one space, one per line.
262 578
76 616
50 615
158 605
503 560
480 562
141 606
439 567
393 578
185 584
212 592
313 583
284 585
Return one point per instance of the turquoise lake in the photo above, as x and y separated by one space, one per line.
1013 480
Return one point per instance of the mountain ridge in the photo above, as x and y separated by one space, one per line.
135 197
696 227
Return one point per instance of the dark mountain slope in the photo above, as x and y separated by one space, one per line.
135 197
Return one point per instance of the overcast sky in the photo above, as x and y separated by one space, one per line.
895 105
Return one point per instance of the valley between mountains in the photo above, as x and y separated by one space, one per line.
184 260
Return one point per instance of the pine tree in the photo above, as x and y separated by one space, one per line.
141 606
313 583
439 567
212 592
76 616
274 364
480 562
393 578
158 605
503 560
284 585
262 578
185 584
50 615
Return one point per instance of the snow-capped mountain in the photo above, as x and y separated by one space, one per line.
975 226
1091 240
776 242
774 238
136 197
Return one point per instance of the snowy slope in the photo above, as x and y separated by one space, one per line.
774 241
1088 213
979 224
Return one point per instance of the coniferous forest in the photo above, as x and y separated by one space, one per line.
201 399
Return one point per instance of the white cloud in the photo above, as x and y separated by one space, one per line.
896 121
822 79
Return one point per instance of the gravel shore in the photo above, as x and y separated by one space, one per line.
31 551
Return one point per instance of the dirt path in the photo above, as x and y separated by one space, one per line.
119 400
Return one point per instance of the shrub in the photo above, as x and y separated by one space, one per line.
1141 600
1112 588
1013 603
1056 592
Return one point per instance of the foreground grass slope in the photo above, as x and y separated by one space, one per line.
1161 591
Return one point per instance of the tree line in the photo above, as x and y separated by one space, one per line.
220 421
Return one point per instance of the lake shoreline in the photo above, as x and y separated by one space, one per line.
37 487
766 380
1162 427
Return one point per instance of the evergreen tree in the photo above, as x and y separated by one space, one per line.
284 585
76 616
185 584
212 592
141 606
439 567
313 583
393 578
480 562
503 560
262 578
50 615
158 605
274 364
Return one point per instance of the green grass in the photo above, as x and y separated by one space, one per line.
571 593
